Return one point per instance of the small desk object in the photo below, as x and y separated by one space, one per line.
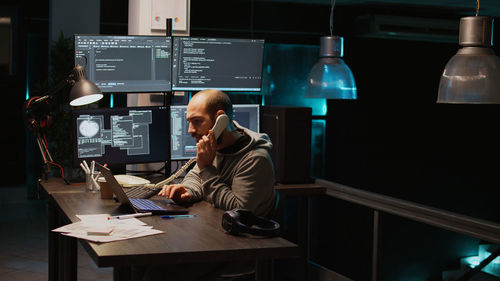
199 239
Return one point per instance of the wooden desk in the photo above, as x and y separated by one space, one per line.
303 191
190 240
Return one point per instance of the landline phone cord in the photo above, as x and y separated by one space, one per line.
172 177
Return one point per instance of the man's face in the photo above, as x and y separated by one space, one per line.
199 120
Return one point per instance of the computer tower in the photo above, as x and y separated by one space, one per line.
290 131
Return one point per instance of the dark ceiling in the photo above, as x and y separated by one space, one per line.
487 7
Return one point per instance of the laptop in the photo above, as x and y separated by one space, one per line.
164 206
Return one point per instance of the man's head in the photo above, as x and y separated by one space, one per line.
203 109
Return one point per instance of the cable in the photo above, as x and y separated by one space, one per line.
60 167
331 17
29 102
176 166
174 176
148 172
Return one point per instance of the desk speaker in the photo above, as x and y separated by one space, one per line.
290 131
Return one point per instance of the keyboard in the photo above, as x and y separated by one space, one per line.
144 204
141 192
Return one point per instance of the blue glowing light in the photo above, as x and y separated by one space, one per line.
27 90
473 261
111 101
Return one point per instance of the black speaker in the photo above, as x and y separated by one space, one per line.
239 221
290 131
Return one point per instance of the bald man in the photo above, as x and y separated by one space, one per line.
234 171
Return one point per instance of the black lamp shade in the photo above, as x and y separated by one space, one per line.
83 91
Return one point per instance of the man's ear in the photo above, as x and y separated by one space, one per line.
219 112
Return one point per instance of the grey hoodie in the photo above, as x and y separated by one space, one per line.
244 179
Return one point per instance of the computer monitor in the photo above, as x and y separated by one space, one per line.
217 63
126 63
183 145
121 135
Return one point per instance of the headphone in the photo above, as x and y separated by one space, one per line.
238 221
38 114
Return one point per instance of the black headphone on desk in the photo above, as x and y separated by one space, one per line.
238 221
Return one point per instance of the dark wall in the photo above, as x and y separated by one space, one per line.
396 140
23 15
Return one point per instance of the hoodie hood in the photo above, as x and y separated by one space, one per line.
257 140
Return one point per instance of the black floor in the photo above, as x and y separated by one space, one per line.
24 240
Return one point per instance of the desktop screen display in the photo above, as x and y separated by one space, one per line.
126 63
121 135
217 63
183 145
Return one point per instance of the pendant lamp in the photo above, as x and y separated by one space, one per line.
473 74
330 77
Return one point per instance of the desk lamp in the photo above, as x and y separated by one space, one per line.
472 75
330 77
38 116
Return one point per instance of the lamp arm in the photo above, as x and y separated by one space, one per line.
49 94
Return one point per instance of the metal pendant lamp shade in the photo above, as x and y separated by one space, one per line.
473 74
83 91
330 77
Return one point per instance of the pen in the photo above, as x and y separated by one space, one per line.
122 217
84 169
86 166
178 216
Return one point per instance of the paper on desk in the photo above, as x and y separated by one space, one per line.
122 229
113 237
103 218
86 223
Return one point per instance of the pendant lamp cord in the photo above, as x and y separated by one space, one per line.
331 17
477 8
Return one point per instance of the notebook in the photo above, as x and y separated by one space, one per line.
165 206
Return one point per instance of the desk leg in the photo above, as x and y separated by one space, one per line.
264 270
53 222
68 258
122 273
303 233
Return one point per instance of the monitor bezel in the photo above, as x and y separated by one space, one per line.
74 113
106 91
232 90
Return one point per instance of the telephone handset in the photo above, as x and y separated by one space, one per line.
220 125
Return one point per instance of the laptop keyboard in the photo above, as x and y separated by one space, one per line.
141 192
144 204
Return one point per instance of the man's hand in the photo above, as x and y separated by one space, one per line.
206 150
176 192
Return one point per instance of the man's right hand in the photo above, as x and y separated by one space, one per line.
176 192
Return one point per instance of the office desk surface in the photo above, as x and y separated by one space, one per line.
57 185
199 239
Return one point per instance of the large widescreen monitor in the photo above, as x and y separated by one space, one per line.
217 63
126 63
183 145
121 135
